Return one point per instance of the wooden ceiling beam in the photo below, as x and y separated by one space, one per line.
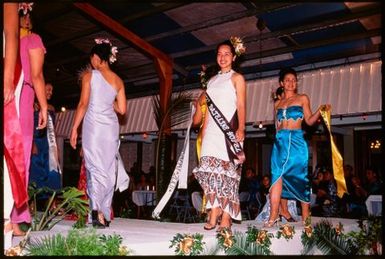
163 62
114 26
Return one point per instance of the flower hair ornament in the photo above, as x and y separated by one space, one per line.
238 45
114 49
25 7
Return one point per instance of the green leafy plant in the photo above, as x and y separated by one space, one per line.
369 236
77 242
178 111
66 200
239 244
329 240
187 244
260 238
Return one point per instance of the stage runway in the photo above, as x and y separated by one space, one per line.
150 237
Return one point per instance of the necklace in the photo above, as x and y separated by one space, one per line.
221 73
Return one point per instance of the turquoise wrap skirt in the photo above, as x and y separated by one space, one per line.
289 161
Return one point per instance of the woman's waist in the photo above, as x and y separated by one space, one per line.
103 117
294 130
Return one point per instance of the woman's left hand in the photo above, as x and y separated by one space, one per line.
325 107
240 135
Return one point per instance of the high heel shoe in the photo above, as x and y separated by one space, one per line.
209 225
95 220
271 223
290 219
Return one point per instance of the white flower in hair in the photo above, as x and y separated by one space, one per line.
26 7
238 45
114 50
101 41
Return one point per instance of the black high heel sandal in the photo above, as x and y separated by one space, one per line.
287 219
95 221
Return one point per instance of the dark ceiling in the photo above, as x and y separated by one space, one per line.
288 34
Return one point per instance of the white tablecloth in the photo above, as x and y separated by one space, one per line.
144 198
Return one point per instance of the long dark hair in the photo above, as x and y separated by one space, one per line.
103 51
284 71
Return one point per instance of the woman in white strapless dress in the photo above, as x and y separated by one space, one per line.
218 175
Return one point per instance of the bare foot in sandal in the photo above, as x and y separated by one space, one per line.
17 231
213 219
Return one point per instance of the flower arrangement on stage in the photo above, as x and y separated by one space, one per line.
286 231
260 237
238 45
328 239
187 244
225 238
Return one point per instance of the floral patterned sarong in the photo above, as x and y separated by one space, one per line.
220 182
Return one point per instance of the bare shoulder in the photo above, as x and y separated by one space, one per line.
117 81
276 104
86 75
303 98
238 77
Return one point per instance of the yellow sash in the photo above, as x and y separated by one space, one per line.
337 160
203 107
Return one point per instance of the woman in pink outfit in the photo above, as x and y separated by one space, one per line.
32 53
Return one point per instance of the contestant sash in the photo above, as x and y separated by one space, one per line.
337 160
52 147
13 144
234 148
203 108
180 172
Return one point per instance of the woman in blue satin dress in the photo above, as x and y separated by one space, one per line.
289 158
102 97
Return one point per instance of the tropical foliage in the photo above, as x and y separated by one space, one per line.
60 203
77 242
328 239
176 113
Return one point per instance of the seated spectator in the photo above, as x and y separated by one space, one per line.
372 184
357 198
317 181
326 196
253 186
264 188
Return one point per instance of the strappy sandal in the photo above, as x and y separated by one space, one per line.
208 226
271 223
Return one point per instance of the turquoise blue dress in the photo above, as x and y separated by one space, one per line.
289 158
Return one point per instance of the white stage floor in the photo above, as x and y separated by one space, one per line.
149 237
